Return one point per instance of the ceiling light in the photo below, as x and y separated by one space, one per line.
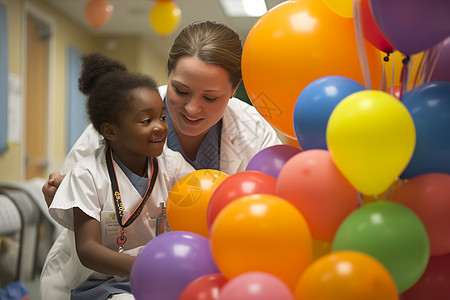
244 8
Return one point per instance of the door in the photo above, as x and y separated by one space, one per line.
36 98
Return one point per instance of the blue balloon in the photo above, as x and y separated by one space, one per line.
314 106
429 106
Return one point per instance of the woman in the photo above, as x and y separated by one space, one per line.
209 127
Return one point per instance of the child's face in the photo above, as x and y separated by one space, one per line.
143 127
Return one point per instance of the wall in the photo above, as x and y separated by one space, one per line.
131 50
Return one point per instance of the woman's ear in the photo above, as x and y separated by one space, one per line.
109 131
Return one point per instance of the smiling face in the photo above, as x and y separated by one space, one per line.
142 129
197 95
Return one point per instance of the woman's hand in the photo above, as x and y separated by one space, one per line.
51 185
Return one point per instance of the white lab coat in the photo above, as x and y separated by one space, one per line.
244 134
88 187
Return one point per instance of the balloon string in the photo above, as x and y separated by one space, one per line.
434 53
383 80
419 70
389 191
360 199
393 75
404 77
360 44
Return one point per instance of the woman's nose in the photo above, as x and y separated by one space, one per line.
193 105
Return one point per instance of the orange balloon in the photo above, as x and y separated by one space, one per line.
264 233
98 12
313 184
188 200
346 275
292 45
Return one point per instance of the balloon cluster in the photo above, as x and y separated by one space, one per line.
362 210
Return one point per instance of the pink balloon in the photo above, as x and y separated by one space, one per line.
313 184
428 195
256 286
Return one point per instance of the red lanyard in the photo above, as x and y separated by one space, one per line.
121 240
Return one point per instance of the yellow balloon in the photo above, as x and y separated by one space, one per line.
165 17
344 8
371 138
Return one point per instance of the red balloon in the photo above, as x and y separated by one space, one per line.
98 12
238 185
371 31
434 283
206 287
428 196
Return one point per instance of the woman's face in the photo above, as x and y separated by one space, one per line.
197 95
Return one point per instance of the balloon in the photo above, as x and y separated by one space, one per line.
371 138
434 282
302 41
441 70
261 233
168 263
272 159
320 248
287 140
206 287
98 12
412 26
371 31
256 286
346 275
344 8
392 234
428 196
236 186
394 67
164 17
188 200
313 184
429 105
314 106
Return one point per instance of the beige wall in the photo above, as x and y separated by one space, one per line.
132 50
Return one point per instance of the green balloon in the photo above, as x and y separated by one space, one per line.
391 233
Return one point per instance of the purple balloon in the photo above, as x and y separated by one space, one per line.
441 71
168 263
272 159
412 26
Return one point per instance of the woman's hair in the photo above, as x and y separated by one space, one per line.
213 43
109 88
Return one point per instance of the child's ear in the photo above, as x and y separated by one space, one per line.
109 131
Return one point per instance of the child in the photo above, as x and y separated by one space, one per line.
111 198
